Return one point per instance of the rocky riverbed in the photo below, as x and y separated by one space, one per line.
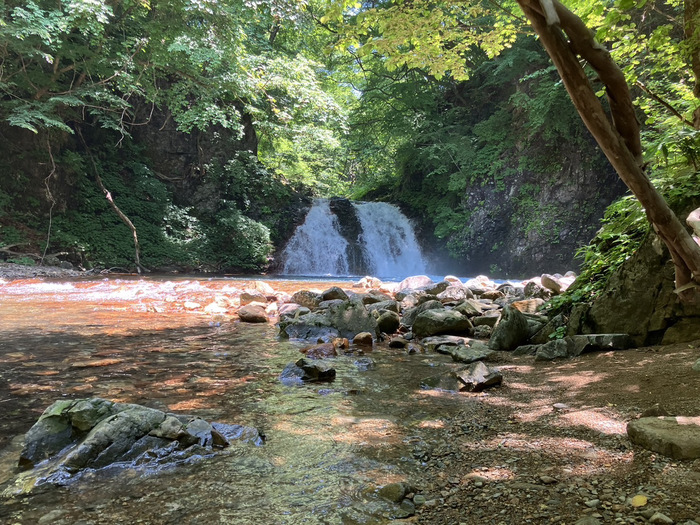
548 444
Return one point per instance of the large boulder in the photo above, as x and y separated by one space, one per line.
414 283
675 437
576 345
409 316
434 322
388 322
511 331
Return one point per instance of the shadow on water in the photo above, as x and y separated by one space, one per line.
328 445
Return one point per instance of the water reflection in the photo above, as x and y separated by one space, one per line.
142 341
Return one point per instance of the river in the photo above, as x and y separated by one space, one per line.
154 342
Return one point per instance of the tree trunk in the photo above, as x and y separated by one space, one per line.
617 135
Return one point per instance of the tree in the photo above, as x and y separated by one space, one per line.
436 35
566 37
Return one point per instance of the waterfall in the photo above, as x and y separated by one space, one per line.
389 245
363 238
317 248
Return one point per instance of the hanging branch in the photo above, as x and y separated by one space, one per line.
108 196
49 195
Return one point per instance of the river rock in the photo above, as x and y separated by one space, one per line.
576 345
414 282
556 283
409 316
470 308
252 313
252 296
480 284
431 344
342 319
364 364
334 292
528 306
321 351
368 282
292 310
398 342
534 290
455 294
363 339
675 437
94 433
467 355
696 365
307 370
306 298
262 286
434 322
477 377
474 378
511 331
388 322
383 305
375 297
490 319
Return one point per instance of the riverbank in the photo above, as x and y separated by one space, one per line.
11 271
549 445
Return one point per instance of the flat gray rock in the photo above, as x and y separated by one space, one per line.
675 437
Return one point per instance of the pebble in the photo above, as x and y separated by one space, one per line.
660 519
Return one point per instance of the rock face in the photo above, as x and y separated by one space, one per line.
675 437
639 300
95 433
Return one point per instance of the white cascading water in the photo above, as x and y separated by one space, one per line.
317 248
389 246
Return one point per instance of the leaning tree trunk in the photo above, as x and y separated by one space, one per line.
566 38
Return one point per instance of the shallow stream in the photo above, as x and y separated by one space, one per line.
328 447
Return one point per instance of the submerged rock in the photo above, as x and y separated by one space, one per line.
71 436
307 370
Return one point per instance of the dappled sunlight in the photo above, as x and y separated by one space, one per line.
437 423
595 419
578 380
491 474
188 405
